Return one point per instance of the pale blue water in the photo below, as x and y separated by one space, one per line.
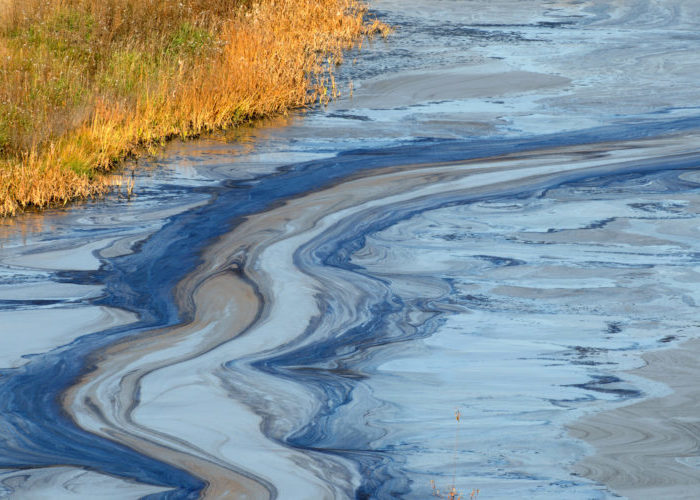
500 220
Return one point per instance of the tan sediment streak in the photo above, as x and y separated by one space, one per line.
222 299
225 303
221 292
651 449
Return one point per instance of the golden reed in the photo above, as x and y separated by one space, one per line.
85 84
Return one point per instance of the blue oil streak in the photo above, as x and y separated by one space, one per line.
34 429
381 473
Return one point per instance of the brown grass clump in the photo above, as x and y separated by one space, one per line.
84 84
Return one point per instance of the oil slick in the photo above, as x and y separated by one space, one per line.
299 318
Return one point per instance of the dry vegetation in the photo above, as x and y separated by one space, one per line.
84 83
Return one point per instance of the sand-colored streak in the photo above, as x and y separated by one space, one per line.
649 450
248 296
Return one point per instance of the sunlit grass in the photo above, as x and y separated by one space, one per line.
84 84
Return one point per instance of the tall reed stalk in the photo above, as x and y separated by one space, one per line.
85 84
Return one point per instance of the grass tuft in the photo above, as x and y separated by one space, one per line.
85 84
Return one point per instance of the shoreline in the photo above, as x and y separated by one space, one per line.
103 88
648 449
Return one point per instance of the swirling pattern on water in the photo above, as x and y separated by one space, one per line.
248 331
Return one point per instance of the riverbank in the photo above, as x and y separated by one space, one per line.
84 85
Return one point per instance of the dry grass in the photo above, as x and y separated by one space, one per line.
452 493
84 84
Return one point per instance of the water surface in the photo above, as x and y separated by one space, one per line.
500 221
